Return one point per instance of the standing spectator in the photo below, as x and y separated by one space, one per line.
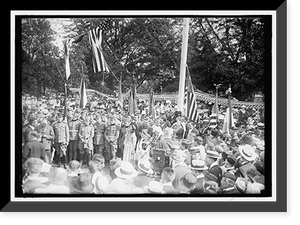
144 170
99 140
47 136
61 139
56 186
211 161
129 144
111 136
74 127
247 156
86 134
33 167
32 123
167 177
198 167
34 148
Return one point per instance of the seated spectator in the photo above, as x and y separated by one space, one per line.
144 170
81 184
99 181
73 171
154 187
167 177
57 179
33 180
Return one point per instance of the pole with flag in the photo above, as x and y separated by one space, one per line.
68 72
184 48
228 121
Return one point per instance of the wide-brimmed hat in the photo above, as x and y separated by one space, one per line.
188 181
154 187
241 184
247 152
198 165
212 154
145 166
195 149
126 170
82 184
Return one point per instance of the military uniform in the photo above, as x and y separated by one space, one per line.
111 135
74 126
99 140
61 139
86 134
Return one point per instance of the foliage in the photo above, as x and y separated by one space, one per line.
147 51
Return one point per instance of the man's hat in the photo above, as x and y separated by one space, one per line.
126 170
212 154
188 181
154 187
198 165
247 152
82 184
145 166
241 184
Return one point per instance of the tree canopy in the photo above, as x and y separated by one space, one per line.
147 51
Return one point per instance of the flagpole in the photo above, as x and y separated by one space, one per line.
216 103
183 64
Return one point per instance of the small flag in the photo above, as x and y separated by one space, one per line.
67 62
95 38
83 96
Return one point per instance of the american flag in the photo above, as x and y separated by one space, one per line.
190 99
95 39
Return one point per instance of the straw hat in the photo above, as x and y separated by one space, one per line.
145 166
212 154
126 171
198 165
247 152
154 187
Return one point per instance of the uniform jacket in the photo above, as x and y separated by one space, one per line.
47 135
61 131
99 129
86 134
111 134
74 126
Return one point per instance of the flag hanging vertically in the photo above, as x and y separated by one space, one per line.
228 120
191 109
95 39
67 62
83 96
133 100
151 106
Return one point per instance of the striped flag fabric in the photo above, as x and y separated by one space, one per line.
95 39
67 62
191 109
83 96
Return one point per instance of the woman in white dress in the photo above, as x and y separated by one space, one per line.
129 144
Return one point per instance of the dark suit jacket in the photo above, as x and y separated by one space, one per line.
34 149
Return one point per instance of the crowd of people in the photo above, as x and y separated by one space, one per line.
104 149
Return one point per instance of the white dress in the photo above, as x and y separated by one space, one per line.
129 147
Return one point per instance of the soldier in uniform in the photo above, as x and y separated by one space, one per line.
86 134
99 129
111 136
61 139
74 126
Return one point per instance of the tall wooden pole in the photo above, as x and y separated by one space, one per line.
184 48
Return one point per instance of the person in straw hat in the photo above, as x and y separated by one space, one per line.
144 170
211 161
198 167
247 156
154 187
127 173
188 183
